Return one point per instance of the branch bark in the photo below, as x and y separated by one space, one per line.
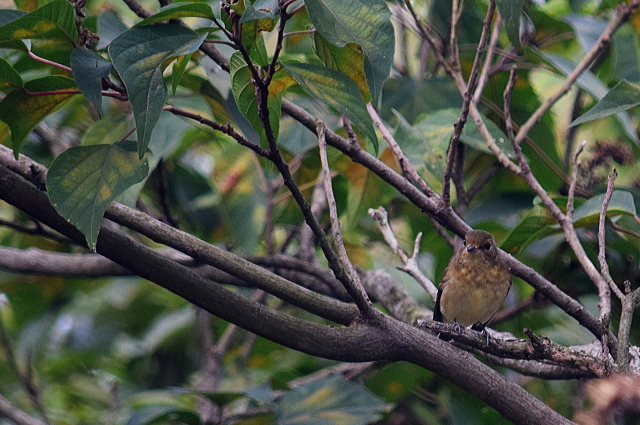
379 337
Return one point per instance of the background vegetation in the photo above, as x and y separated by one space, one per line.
282 181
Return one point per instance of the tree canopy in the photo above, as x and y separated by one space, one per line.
221 212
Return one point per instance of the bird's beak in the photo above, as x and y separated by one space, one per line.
472 248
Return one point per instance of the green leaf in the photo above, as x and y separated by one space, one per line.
83 181
587 29
245 97
364 22
53 21
620 98
537 224
89 68
177 11
348 59
331 400
109 27
21 111
9 77
471 137
203 86
510 11
589 213
625 49
261 9
138 55
435 129
10 15
178 71
336 90
426 143
592 85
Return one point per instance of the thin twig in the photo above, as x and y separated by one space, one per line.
484 73
137 8
226 129
621 15
574 180
405 165
629 303
25 378
602 255
410 264
338 242
15 414
468 96
47 61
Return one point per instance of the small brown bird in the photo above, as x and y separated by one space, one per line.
474 284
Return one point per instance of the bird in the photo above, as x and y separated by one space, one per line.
474 284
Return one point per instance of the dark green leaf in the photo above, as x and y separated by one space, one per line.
331 400
627 58
53 21
336 90
10 15
261 9
348 59
21 111
426 143
89 68
471 136
109 27
620 98
9 77
177 11
138 55
245 97
216 101
436 129
178 71
592 85
364 22
83 181
589 212
587 29
537 224
511 11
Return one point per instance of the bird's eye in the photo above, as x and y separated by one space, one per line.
464 242
487 246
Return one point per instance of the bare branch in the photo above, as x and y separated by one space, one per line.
360 295
15 414
410 264
629 304
621 15
137 8
468 93
602 254
407 168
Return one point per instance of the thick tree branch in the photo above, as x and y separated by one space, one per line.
378 338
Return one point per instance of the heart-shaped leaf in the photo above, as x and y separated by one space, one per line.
83 181
53 21
364 22
89 68
9 77
336 90
138 55
21 110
